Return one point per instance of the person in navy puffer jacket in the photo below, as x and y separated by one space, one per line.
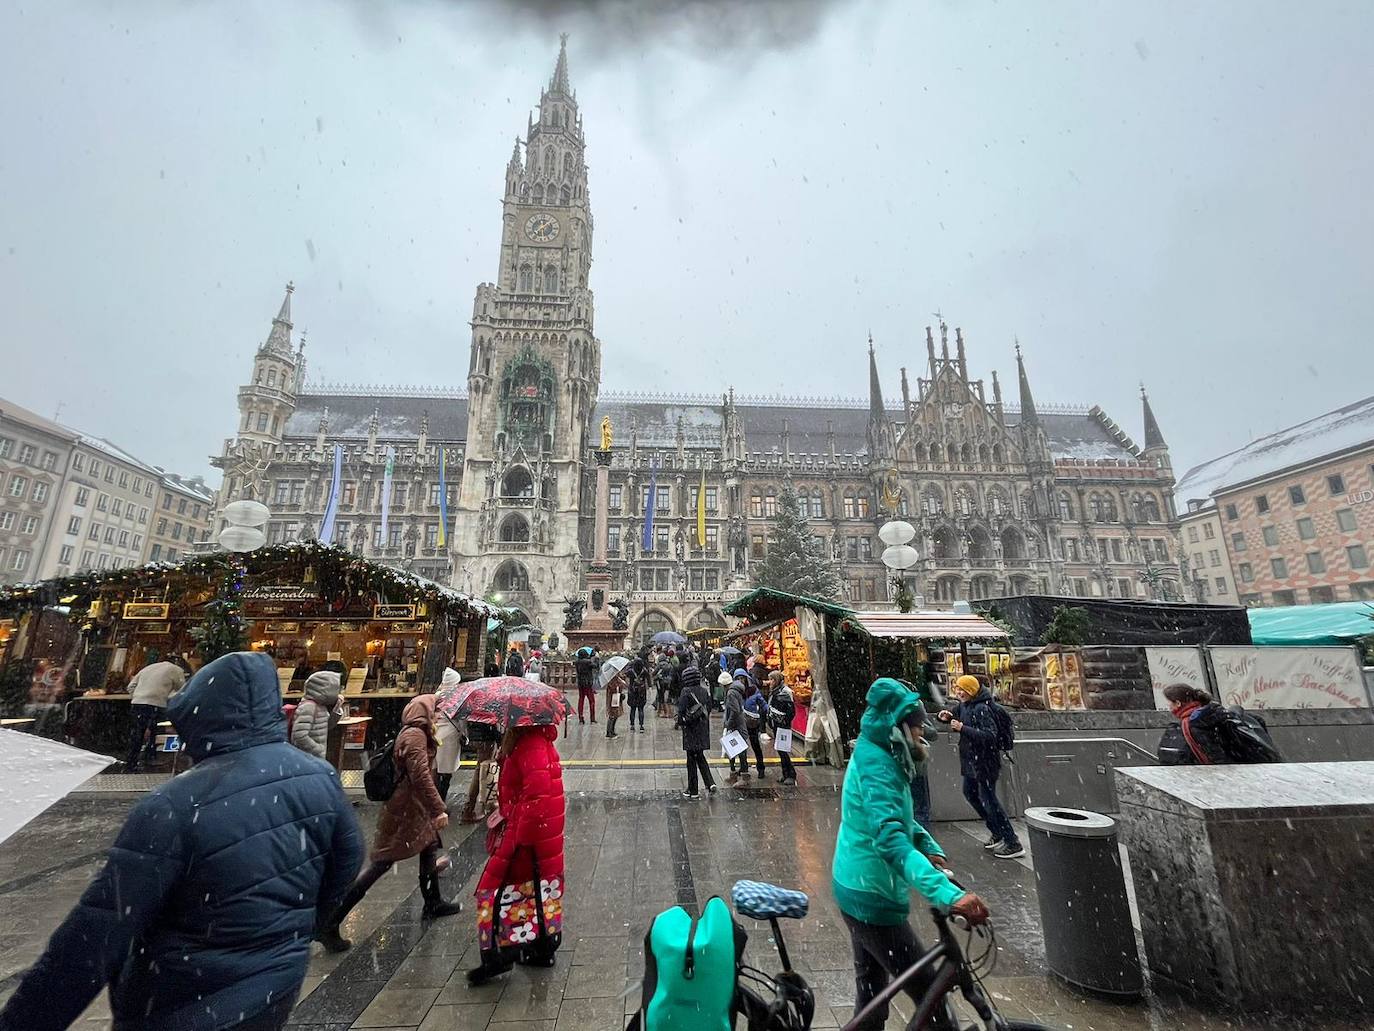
203 914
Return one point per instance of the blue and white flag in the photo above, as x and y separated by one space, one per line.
331 507
442 540
650 503
386 490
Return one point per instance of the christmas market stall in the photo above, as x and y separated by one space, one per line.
76 642
789 632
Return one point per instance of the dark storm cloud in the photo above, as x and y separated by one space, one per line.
708 27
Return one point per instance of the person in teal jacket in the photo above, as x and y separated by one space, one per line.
882 852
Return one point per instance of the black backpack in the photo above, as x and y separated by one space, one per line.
1006 730
382 774
1247 738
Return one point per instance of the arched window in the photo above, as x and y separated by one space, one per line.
849 507
817 505
1013 545
953 454
539 193
984 454
997 504
525 192
517 483
271 377
934 454
567 166
997 454
861 505
526 279
514 530
653 623
966 454
963 504
512 576
1065 506
756 505
770 503
565 196
932 502
549 165
550 279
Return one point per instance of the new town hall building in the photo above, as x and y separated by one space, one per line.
1005 498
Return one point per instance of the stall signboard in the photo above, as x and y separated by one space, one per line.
146 610
1289 678
393 611
1175 664
281 592
406 628
160 627
281 628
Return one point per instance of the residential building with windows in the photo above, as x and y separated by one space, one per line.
34 457
1294 510
1006 498
180 517
1205 555
103 511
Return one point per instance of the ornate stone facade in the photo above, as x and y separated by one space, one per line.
1005 499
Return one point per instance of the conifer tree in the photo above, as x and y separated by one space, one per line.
797 562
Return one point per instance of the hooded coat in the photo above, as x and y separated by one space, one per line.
203 913
532 805
1208 726
310 729
406 826
734 705
696 729
881 852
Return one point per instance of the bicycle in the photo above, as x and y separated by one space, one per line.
952 969
785 1002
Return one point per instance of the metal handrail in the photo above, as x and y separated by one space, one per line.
1129 744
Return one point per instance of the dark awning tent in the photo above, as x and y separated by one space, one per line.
1340 623
1124 622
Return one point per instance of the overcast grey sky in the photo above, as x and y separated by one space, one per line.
1178 193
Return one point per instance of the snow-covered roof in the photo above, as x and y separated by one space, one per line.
118 453
1307 442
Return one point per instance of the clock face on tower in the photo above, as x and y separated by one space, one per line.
542 228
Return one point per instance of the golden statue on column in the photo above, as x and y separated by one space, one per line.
606 433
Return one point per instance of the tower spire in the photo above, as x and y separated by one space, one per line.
279 337
559 83
1153 437
875 390
1028 416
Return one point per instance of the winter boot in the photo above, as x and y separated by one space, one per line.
332 940
493 966
435 906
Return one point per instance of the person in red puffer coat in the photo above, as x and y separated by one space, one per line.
525 864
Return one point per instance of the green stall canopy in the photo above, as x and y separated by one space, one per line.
1342 622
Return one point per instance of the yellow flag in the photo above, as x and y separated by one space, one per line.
701 510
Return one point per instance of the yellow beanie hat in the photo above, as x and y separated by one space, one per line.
968 683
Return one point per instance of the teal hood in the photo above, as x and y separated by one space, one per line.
889 702
230 704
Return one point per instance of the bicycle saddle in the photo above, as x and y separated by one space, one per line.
760 901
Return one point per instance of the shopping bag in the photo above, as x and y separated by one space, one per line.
782 739
615 700
533 676
733 743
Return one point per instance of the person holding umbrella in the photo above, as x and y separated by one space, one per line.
520 893
449 732
613 681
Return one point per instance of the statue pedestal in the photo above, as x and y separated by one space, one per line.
597 630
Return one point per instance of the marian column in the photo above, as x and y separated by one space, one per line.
597 625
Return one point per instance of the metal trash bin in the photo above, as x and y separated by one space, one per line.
1086 917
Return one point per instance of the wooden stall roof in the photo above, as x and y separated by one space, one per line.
767 603
929 626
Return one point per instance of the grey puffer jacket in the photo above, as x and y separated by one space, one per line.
734 707
310 729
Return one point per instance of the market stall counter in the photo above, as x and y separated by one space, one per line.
80 640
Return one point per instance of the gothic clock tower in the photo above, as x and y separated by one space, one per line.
533 376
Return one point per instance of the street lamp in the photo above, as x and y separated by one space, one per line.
899 556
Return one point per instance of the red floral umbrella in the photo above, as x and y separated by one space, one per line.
447 699
506 702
